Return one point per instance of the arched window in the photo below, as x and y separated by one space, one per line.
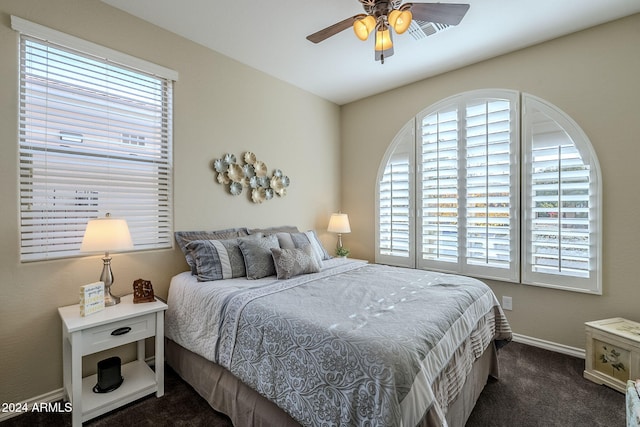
473 186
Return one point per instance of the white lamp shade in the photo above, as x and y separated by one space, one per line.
106 235
339 223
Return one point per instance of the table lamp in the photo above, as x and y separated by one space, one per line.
339 223
107 235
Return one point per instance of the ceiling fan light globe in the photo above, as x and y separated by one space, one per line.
383 40
400 20
363 27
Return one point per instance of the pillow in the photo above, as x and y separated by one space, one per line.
298 240
257 256
217 259
294 262
184 237
310 238
274 230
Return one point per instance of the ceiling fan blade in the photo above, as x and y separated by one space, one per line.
332 30
441 13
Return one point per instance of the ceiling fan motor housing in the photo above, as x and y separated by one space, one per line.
380 8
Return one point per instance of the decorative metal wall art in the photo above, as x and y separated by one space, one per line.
252 174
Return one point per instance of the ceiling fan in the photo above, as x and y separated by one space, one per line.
381 15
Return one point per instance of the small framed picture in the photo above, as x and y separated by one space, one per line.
91 298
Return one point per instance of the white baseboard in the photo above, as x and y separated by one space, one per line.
548 345
52 396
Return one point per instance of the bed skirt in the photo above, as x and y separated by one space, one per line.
246 407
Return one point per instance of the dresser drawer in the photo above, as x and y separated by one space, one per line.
118 333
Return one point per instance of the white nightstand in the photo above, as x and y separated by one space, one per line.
91 334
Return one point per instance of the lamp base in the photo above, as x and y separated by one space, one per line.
110 299
107 278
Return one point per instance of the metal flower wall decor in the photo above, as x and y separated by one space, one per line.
252 174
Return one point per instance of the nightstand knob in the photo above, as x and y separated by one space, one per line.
121 331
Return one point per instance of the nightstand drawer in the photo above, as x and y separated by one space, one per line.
118 333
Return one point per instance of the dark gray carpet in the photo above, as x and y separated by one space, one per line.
543 388
536 388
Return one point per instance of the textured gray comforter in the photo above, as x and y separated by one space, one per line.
357 344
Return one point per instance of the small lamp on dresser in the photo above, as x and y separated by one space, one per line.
107 235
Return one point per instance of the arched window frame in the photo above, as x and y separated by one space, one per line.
593 282
521 268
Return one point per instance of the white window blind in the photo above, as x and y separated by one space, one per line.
94 137
395 202
490 195
394 209
562 196
439 186
507 187
469 186
560 221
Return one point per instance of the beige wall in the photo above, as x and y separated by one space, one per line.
220 106
594 76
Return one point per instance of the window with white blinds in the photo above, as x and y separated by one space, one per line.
467 181
475 216
395 202
562 198
94 138
439 159
491 184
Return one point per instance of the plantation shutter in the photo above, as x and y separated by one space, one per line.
395 202
469 187
491 202
561 243
94 138
491 193
439 212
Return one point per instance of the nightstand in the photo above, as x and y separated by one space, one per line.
87 335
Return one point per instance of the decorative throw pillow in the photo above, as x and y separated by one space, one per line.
217 259
293 262
184 237
310 238
257 256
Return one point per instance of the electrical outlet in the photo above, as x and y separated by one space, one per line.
507 303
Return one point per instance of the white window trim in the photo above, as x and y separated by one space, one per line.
47 36
54 36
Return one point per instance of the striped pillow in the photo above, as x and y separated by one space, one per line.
217 259
184 237
300 240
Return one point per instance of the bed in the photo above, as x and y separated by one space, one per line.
328 341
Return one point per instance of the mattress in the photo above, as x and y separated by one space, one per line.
353 344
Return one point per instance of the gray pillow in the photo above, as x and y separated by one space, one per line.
257 256
217 259
293 262
184 237
274 230
310 238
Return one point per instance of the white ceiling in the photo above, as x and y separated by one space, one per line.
270 36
